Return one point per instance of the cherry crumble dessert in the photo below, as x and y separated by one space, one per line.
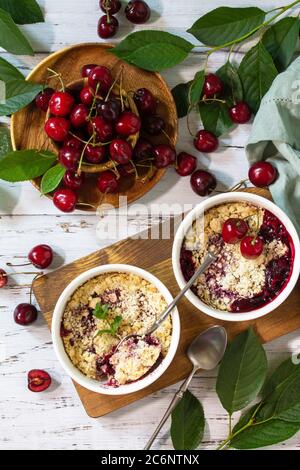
103 311
254 261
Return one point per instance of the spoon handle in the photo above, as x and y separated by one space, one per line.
176 399
210 257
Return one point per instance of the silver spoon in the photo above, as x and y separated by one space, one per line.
209 259
205 352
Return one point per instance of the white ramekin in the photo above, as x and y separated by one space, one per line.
64 359
198 211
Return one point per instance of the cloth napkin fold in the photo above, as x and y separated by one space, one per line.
275 136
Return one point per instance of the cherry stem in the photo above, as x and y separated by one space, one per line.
168 137
238 185
86 204
94 102
82 154
31 287
211 100
18 265
19 274
57 75
114 83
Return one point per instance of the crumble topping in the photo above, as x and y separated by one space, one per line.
232 279
138 302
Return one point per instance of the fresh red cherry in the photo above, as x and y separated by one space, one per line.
108 182
65 200
86 70
87 96
25 314
94 154
110 109
234 230
79 115
57 128
43 98
206 141
110 6
164 155
213 85
73 142
73 180
101 76
240 113
69 157
61 103
143 150
103 129
252 247
145 101
120 151
38 380
137 11
41 256
186 164
127 169
128 124
107 26
203 182
262 174
153 124
3 278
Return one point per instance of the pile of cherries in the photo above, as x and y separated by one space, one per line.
41 257
136 11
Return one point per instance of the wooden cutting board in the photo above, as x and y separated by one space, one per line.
155 256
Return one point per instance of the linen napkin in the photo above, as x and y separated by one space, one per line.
275 136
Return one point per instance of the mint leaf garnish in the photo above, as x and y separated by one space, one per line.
113 327
101 311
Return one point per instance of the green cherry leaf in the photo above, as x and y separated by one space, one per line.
52 178
5 142
257 72
19 94
233 88
281 41
9 72
196 88
23 11
181 97
215 118
11 37
23 165
242 371
225 24
188 423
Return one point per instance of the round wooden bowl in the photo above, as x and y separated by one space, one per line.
27 126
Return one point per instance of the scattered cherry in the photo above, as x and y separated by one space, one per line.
206 141
110 109
262 174
41 256
143 150
164 155
110 6
38 380
73 180
25 314
234 230
145 101
107 182
3 278
186 164
137 11
65 200
57 128
102 77
120 151
203 182
252 247
69 157
104 129
128 124
240 113
213 85
61 103
153 124
107 26
43 98
87 96
79 115
94 154
86 70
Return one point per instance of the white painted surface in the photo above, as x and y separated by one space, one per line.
56 419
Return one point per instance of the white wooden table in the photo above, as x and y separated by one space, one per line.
56 419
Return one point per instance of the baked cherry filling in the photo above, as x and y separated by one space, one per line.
275 272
